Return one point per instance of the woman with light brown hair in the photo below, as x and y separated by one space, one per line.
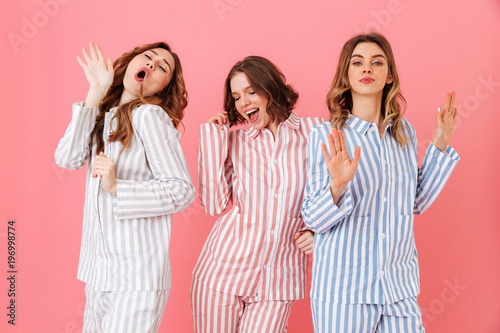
365 269
137 177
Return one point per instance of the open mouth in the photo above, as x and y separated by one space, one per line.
141 74
253 114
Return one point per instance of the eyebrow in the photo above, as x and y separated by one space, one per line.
360 56
162 59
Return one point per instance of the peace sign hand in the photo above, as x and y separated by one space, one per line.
340 166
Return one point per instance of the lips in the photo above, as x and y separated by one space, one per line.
366 80
253 114
141 74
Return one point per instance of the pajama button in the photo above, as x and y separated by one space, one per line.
383 236
265 266
382 273
276 195
385 199
275 162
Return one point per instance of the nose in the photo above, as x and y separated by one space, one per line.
367 69
244 100
151 65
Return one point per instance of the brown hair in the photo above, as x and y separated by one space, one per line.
173 99
339 98
267 80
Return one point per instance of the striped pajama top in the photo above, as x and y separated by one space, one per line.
250 250
364 247
125 237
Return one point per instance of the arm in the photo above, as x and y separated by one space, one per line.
74 148
171 190
215 168
323 207
440 159
432 176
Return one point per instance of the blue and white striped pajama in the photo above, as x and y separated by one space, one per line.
364 247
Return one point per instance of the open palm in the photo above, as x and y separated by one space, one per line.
340 166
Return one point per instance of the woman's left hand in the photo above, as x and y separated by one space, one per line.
105 167
305 241
446 121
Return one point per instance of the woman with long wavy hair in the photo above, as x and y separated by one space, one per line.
365 269
137 177
253 266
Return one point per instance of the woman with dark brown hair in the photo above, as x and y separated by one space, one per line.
137 177
253 266
365 269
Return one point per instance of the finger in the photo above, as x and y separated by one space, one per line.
302 239
331 145
80 61
86 56
109 65
336 140
455 111
342 141
297 235
452 102
447 102
99 53
439 117
325 153
357 155
92 51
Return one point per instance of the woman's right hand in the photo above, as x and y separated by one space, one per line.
341 168
220 118
99 74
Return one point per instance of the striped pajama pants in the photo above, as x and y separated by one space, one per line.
400 317
123 311
216 312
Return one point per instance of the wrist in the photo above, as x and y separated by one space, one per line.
440 145
95 96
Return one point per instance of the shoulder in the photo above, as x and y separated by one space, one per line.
147 119
407 128
310 122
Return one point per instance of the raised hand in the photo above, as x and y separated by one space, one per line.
105 167
340 166
99 74
446 121
220 118
304 240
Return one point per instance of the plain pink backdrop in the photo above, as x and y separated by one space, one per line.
439 46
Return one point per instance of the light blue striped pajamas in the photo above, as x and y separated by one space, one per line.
364 247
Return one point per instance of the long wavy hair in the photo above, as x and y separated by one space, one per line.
267 80
339 97
172 99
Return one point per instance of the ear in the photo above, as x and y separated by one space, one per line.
389 78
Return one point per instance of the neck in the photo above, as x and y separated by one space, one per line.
368 107
273 127
125 98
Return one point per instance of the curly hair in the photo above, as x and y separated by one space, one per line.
172 99
339 97
267 80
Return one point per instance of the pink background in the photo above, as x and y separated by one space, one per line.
439 46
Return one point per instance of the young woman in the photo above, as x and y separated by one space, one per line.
137 177
253 266
365 270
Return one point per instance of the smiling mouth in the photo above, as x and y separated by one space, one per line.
141 74
253 114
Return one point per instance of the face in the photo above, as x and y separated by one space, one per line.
152 70
368 70
251 105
